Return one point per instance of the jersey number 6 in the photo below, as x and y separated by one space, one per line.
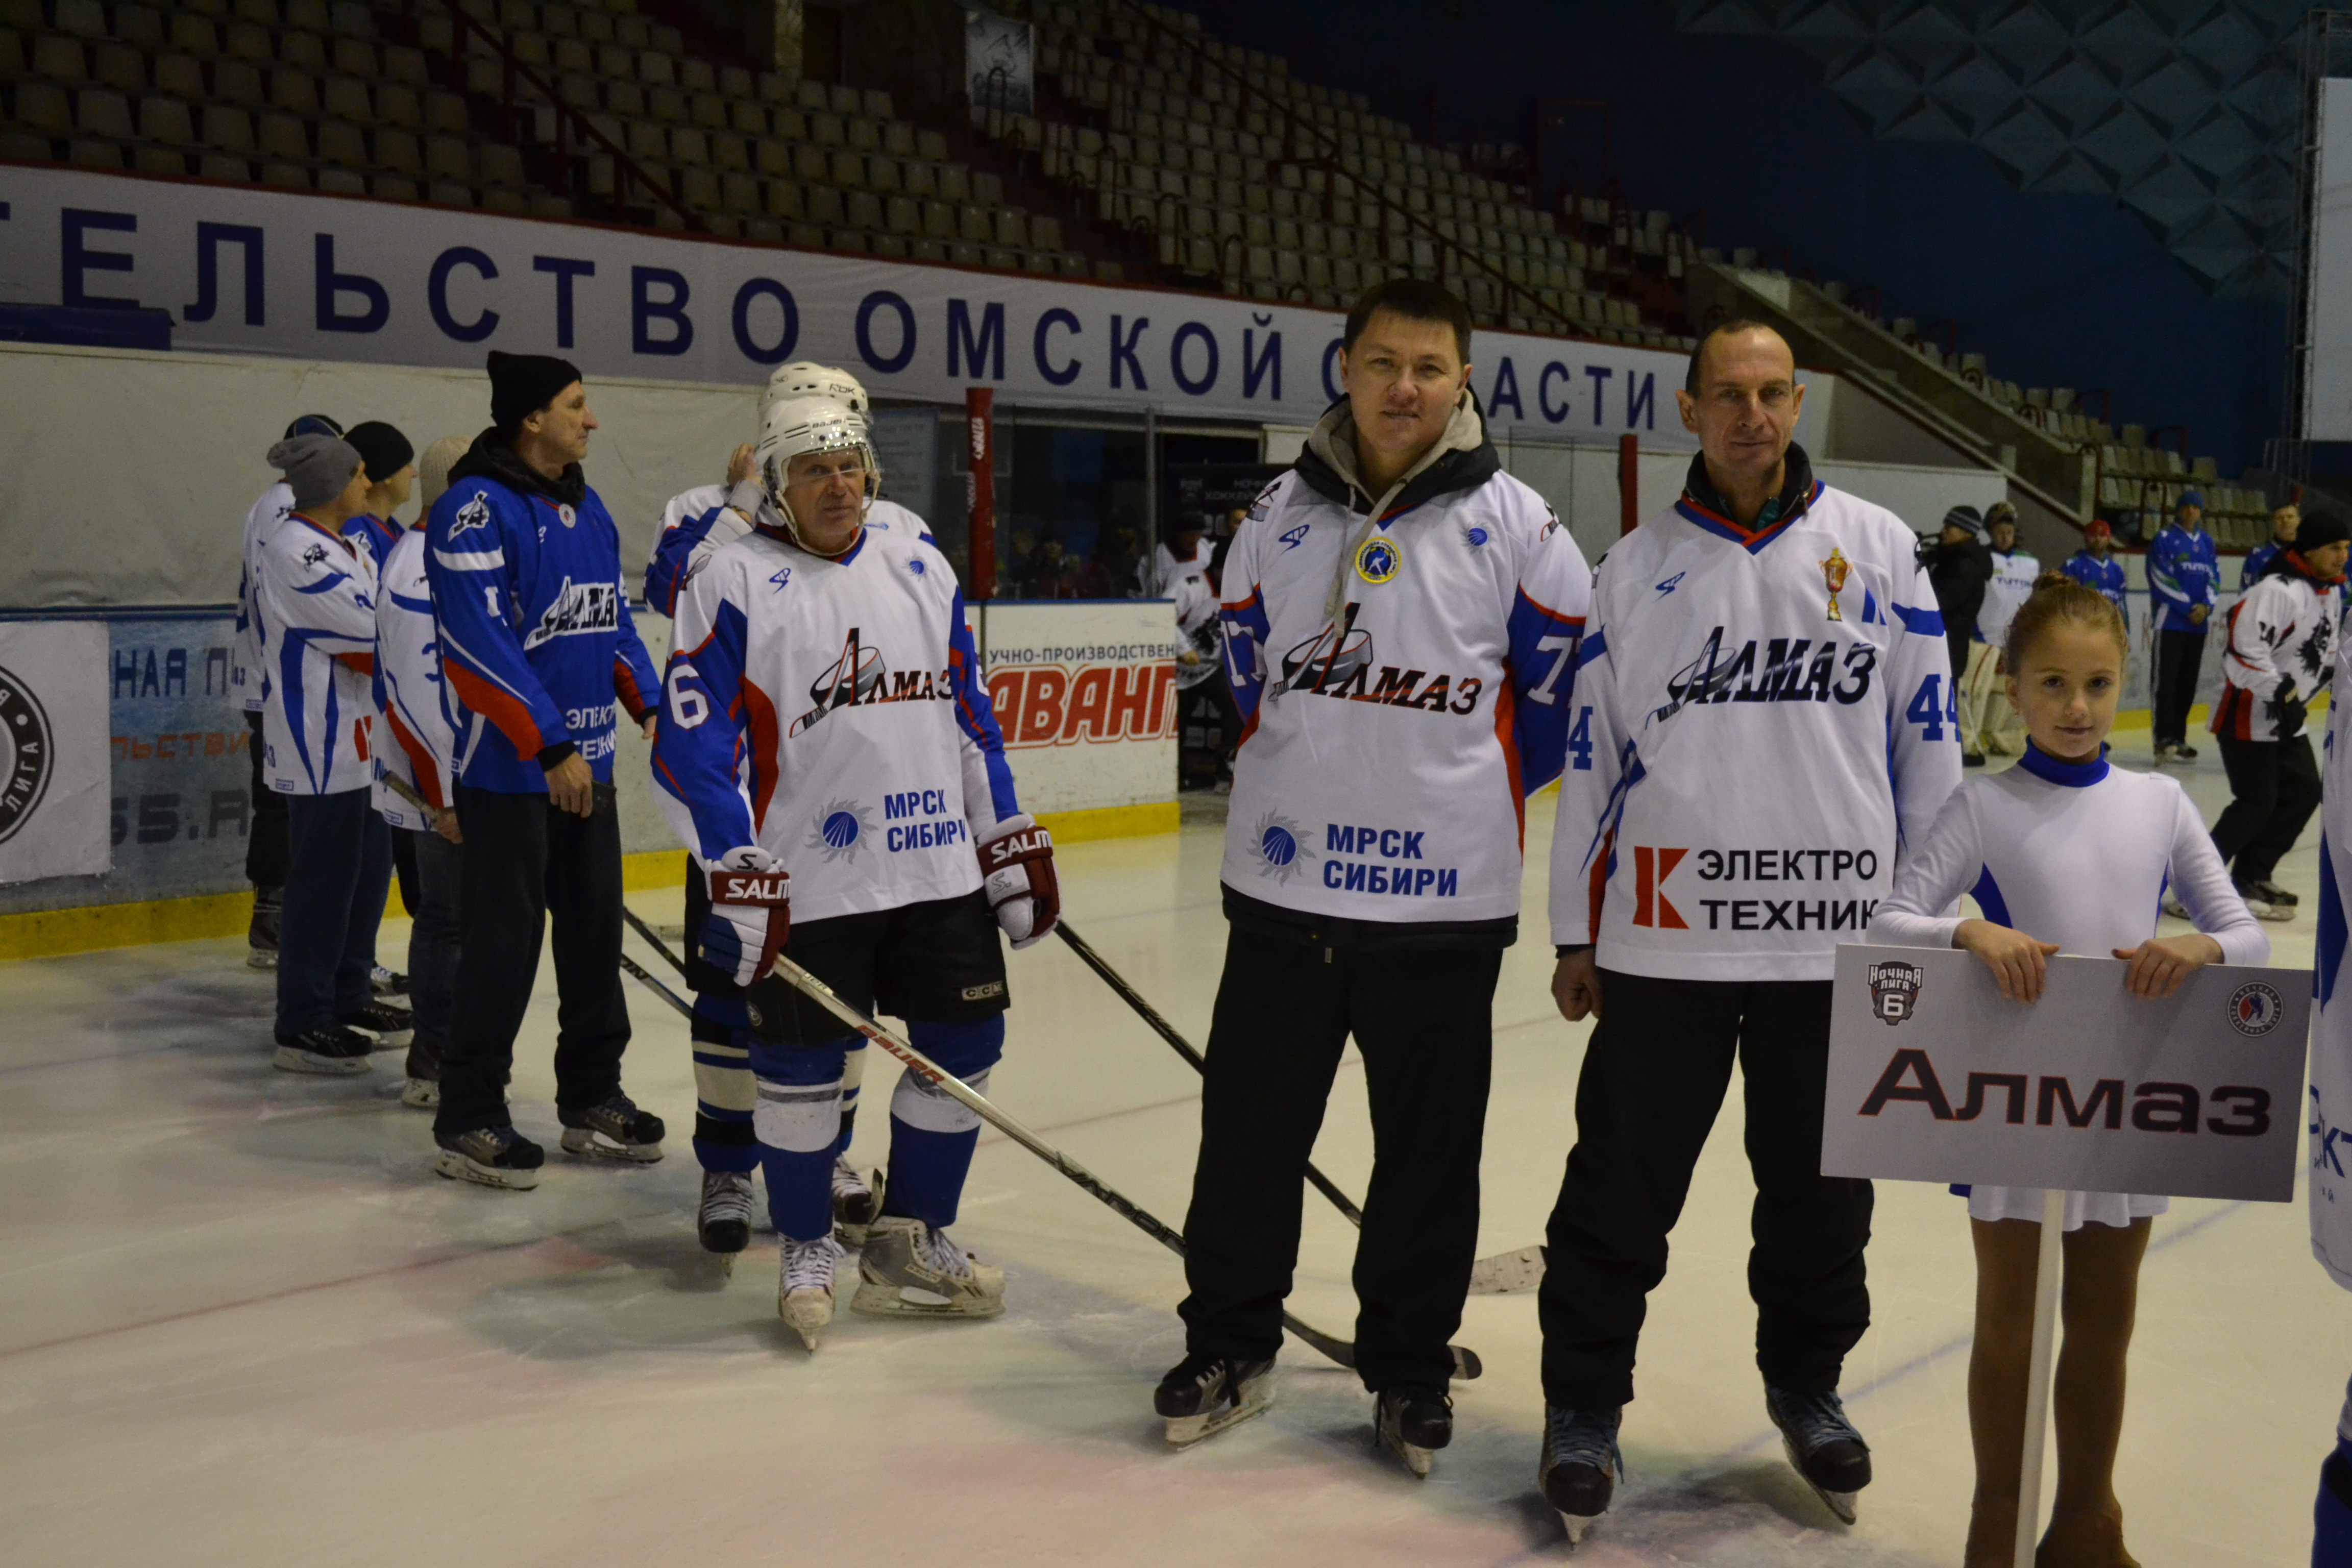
687 705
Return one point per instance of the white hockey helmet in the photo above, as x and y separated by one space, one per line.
798 427
806 378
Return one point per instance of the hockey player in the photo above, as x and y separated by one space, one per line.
2284 520
248 676
1201 655
2278 654
1766 699
2095 567
538 645
389 460
2182 575
2330 1108
1401 620
695 526
1998 731
314 607
2063 852
826 743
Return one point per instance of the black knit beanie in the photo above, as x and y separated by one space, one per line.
383 449
522 384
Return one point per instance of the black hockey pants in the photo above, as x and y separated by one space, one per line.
2274 788
1423 1024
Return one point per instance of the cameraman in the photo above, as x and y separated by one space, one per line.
1959 567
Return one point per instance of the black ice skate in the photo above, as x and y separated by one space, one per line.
392 1027
387 982
335 1051
490 1157
857 1202
1413 1424
261 935
1203 1395
615 1129
1580 1466
725 1218
1822 1445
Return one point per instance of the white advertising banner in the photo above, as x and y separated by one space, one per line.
1086 694
998 63
315 277
1934 1077
2328 297
54 763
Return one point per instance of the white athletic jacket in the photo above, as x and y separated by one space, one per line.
830 713
2005 594
1765 717
314 603
249 666
1404 667
419 736
2281 641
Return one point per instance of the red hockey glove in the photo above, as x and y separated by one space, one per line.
1016 866
750 914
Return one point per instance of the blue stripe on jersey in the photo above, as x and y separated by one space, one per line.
1987 893
1543 677
1926 623
1246 630
2332 928
700 762
1595 644
975 714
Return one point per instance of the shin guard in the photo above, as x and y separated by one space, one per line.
797 1120
931 1133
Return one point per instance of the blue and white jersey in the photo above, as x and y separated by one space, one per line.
2079 854
418 741
373 537
314 601
2258 561
1765 720
830 713
2331 1025
2005 594
249 670
2182 575
2103 577
699 523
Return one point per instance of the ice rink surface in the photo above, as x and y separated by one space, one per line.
241 1322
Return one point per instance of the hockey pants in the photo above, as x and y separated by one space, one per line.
2274 789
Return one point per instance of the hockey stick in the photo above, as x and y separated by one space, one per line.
1466 1362
654 937
630 966
1166 1031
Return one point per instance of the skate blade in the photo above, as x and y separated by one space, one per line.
290 1058
588 1140
394 1040
879 1300
421 1094
1576 1524
1416 1459
851 1237
1839 1503
1183 1431
807 1319
1466 1364
257 958
457 1168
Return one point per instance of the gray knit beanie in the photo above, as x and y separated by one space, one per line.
317 466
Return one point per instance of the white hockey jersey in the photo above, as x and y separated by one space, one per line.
315 607
2282 636
1159 573
2005 594
419 738
1199 631
2331 1026
248 673
697 524
1764 718
830 713
1404 683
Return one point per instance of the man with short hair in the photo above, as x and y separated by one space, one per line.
2095 567
1767 694
2284 521
1402 621
389 461
1959 566
2182 574
537 642
1999 730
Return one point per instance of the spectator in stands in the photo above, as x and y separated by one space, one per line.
2095 567
314 603
1999 730
264 841
2182 574
2284 520
520 540
1959 566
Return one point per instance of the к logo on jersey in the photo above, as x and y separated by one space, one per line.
1893 991
857 676
1377 560
25 754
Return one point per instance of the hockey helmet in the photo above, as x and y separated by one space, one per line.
806 378
799 427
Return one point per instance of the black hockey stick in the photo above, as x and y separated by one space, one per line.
1166 1031
654 937
1466 1362
631 967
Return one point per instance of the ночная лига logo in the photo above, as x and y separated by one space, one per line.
27 754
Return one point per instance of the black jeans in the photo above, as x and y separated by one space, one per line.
2274 788
335 883
523 859
266 835
2180 655
1423 1023
1654 1076
434 941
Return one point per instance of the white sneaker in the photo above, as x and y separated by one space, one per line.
804 1286
911 1270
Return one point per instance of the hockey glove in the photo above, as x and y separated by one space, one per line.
1017 868
750 914
2290 710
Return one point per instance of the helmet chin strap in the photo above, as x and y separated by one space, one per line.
793 530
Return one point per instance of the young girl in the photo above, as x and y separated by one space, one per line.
2063 853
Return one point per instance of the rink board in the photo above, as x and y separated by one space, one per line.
1934 1077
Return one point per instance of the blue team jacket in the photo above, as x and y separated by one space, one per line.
536 636
2182 573
2106 576
2258 559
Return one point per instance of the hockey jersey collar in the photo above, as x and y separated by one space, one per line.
1462 459
1703 504
2068 776
492 459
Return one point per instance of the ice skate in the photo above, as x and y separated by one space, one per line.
855 1204
1412 1424
390 1027
1201 1395
2172 905
2259 905
804 1286
910 1269
1580 1466
724 1220
335 1051
1822 1445
421 1094
490 1157
615 1129
387 982
261 935
2272 893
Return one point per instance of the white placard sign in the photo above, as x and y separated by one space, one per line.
1934 1077
54 764
1086 694
999 55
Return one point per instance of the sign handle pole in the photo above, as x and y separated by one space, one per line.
2037 1375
